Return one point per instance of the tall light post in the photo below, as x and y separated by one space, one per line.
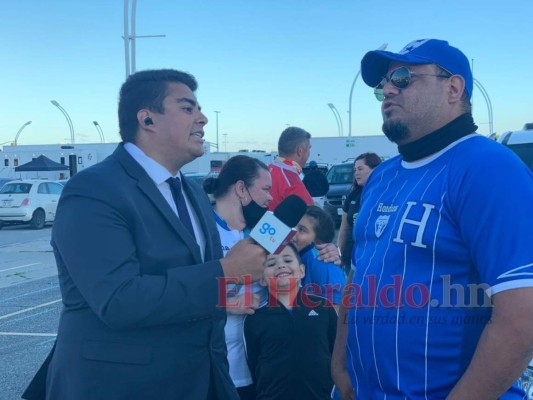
337 118
129 39
382 47
217 112
225 141
100 131
69 121
485 95
20 130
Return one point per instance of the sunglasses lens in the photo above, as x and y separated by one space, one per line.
400 78
378 92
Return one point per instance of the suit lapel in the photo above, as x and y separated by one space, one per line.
201 213
148 187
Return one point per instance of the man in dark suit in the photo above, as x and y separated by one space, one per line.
140 290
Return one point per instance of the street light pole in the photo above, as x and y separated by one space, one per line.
69 121
100 131
225 141
489 103
129 39
337 118
217 112
20 130
126 38
382 47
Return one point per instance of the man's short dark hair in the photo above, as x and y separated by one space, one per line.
146 89
290 139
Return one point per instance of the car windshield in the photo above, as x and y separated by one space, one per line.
524 151
16 188
340 174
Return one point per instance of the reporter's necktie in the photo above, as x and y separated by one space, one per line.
177 195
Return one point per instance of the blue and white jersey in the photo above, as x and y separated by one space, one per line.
434 239
233 330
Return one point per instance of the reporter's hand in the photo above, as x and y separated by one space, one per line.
328 252
239 305
245 258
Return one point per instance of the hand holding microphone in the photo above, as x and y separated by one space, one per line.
275 230
272 233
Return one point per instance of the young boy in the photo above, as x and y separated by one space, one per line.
289 341
321 278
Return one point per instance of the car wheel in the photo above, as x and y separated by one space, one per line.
37 220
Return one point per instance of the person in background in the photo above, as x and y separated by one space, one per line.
442 245
363 166
294 147
242 193
139 282
315 181
289 340
321 278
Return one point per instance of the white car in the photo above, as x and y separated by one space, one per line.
32 201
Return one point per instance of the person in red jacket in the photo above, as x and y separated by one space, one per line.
294 147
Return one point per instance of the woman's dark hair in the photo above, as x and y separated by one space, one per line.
237 168
323 224
371 160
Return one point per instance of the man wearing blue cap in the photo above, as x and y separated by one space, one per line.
441 292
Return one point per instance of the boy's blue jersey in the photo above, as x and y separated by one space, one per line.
322 278
434 239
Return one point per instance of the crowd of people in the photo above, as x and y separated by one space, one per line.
166 297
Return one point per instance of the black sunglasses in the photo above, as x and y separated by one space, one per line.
400 79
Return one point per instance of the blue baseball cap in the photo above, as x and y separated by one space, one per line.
375 64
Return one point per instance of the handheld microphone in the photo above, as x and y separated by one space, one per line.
275 229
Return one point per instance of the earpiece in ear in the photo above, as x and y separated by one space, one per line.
148 121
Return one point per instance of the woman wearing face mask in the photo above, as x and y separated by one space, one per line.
242 194
363 166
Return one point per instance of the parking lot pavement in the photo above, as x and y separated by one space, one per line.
30 303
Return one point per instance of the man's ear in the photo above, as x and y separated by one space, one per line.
456 88
302 270
144 118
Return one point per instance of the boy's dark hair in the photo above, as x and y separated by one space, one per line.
290 139
237 168
295 251
146 89
323 224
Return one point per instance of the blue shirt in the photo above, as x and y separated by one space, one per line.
434 239
328 277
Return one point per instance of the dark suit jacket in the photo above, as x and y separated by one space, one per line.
140 317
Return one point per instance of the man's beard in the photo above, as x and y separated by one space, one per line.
395 131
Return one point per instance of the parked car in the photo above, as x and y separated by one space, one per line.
199 178
340 178
3 181
324 167
32 201
521 142
62 181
